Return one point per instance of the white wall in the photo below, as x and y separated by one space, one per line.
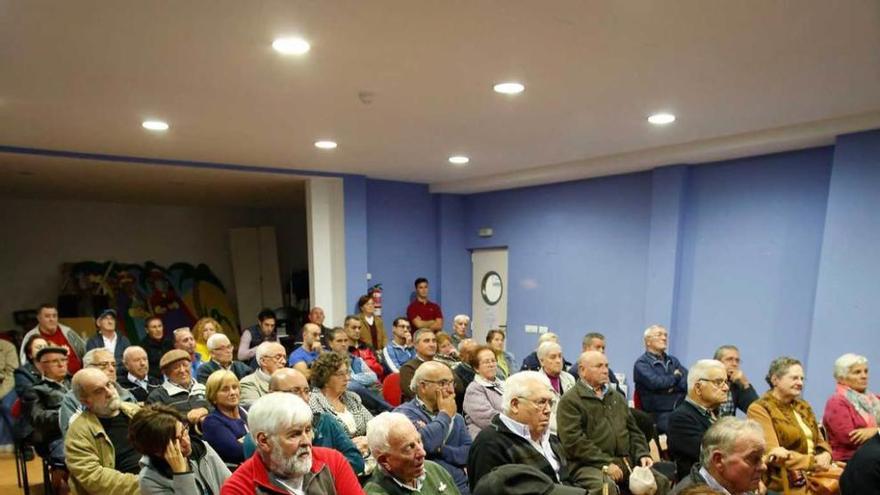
39 235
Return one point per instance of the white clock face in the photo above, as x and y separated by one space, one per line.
492 288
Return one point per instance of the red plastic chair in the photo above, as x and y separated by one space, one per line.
391 389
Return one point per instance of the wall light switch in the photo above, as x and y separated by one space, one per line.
531 328
542 329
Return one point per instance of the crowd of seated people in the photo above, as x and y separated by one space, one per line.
111 417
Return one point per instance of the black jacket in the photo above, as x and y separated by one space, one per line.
139 393
41 405
687 424
862 473
155 351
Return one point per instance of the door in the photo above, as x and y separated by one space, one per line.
489 284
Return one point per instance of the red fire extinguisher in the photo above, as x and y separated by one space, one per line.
376 293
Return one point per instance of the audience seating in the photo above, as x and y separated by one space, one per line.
391 389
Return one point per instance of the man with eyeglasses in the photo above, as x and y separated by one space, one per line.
521 433
599 436
221 359
398 352
707 389
102 360
107 337
41 403
434 414
270 358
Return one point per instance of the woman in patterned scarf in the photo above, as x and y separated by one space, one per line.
852 413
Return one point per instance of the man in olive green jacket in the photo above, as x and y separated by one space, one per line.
597 431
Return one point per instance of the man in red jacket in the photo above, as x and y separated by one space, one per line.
285 461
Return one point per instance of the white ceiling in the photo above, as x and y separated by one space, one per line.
742 76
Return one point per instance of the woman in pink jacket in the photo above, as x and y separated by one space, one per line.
852 414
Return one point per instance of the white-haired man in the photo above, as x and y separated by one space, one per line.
221 359
460 329
270 358
102 360
731 459
138 380
397 447
550 357
661 380
707 389
434 414
286 462
532 362
521 433
184 341
97 451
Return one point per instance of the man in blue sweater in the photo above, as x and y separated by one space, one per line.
661 380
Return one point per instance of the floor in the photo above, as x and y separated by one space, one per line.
8 483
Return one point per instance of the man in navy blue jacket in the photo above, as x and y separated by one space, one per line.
660 379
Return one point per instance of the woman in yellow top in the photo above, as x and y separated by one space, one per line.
203 330
790 428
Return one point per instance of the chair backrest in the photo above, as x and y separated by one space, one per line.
391 389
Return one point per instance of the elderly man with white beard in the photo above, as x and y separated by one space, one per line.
285 461
99 456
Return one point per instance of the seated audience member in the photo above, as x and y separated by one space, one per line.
521 433
303 356
184 341
519 478
41 404
464 373
433 412
102 360
286 461
138 380
398 352
27 375
741 393
862 473
446 352
107 337
852 414
224 428
99 456
460 329
156 344
330 396
731 459
221 359
552 363
316 316
425 344
661 380
707 390
597 431
57 335
790 428
270 358
482 399
362 380
202 331
506 363
359 349
397 447
423 313
180 391
174 463
372 328
8 365
327 432
251 337
532 363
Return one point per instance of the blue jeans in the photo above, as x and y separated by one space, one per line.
6 419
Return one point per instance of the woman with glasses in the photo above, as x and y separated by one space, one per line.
795 446
482 399
852 414
329 379
174 462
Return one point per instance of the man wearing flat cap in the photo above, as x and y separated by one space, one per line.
108 338
42 402
180 391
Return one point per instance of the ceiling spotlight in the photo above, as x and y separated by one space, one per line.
459 159
509 88
291 46
661 118
155 125
325 145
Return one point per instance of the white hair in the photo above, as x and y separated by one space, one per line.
278 411
517 385
131 350
89 357
843 364
724 433
216 340
464 318
379 429
264 348
700 371
652 329
546 348
181 330
548 337
424 369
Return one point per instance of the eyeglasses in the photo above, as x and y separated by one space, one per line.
105 364
489 361
442 383
548 403
54 361
276 357
341 373
184 432
298 391
718 382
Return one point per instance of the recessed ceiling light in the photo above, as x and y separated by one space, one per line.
459 159
155 125
325 145
661 118
509 88
291 46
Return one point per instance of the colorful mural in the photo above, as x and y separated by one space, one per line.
179 294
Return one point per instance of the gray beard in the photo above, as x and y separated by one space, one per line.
291 467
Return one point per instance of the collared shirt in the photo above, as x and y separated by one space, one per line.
543 446
599 393
419 481
142 383
110 344
434 414
728 408
712 483
294 486
705 412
